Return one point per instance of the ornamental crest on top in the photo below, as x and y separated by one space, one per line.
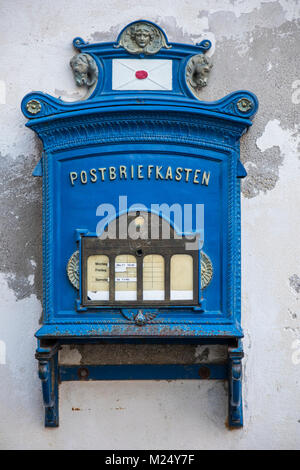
142 38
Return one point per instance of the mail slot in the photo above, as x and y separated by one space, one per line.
141 207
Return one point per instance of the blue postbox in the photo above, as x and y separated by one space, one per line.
141 210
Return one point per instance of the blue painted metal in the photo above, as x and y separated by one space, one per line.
144 372
235 415
47 355
130 128
38 170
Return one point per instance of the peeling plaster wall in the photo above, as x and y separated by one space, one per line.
255 47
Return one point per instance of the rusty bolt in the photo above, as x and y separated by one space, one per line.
83 373
204 372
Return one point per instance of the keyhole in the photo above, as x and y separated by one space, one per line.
139 252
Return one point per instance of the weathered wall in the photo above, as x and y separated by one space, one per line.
255 47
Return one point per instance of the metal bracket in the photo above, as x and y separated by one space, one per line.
235 414
47 355
144 372
38 170
51 373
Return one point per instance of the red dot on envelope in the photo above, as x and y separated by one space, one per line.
141 74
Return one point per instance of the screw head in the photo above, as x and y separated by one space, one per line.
83 373
244 105
33 106
204 372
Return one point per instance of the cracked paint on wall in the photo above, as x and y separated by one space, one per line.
20 209
295 283
274 145
262 59
142 354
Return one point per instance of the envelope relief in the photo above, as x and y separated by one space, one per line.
141 74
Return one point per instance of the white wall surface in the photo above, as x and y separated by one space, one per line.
255 47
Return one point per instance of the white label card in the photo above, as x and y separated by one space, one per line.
125 279
122 267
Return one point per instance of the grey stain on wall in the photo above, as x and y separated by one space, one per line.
21 219
248 50
106 36
295 283
143 354
247 58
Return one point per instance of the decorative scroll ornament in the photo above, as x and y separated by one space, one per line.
73 269
206 270
140 317
197 71
85 70
142 38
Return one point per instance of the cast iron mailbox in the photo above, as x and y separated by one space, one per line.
141 209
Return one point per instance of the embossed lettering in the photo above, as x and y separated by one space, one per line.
178 173
140 176
196 176
205 178
158 175
102 171
73 177
93 175
150 168
169 175
187 171
159 172
112 173
123 172
83 177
